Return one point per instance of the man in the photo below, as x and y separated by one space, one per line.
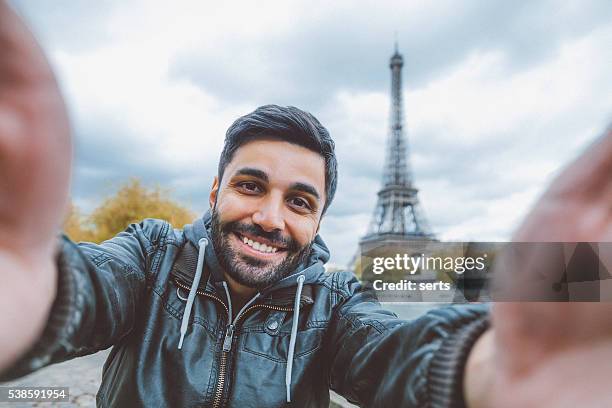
236 310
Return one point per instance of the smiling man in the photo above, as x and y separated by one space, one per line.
236 309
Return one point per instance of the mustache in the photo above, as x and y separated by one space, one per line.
275 237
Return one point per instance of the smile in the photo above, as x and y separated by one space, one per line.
257 246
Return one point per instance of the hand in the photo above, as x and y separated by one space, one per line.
553 354
35 157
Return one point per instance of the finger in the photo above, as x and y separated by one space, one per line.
590 175
529 332
578 204
35 150
22 62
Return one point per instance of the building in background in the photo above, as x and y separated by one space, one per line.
398 224
398 214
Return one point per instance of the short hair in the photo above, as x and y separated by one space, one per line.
289 124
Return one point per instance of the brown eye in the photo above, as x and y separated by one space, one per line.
299 203
249 187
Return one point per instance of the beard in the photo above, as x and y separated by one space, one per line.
250 271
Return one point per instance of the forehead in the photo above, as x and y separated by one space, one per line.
281 161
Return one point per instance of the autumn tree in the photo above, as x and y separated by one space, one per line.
74 225
132 203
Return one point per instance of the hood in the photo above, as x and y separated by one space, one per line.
312 269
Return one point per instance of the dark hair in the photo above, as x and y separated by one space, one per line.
289 124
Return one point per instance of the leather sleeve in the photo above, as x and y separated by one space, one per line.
379 360
100 288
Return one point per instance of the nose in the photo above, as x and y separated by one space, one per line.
269 216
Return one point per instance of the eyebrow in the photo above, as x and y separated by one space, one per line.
297 186
250 171
306 188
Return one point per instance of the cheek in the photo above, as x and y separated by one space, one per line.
230 207
303 231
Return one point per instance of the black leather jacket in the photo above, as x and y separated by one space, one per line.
128 293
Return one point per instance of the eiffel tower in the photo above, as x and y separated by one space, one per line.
398 219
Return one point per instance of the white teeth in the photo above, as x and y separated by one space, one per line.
258 246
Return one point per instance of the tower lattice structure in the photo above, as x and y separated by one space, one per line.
398 214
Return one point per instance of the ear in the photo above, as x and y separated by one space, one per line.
212 198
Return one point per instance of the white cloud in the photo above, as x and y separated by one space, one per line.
522 127
481 99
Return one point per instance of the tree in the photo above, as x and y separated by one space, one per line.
132 203
73 225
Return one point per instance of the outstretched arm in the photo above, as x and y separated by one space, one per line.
101 292
35 155
552 354
376 359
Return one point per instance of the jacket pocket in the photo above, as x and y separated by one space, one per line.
204 312
276 348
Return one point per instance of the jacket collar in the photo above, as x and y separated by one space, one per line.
280 293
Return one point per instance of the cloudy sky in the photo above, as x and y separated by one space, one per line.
498 95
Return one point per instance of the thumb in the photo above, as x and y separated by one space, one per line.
35 150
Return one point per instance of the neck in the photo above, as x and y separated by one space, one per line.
240 294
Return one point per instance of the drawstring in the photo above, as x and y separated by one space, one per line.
229 301
294 326
192 292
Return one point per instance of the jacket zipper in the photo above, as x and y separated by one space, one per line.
229 336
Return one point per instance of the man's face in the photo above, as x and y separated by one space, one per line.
267 210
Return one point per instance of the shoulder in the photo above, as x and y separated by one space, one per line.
160 233
343 283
